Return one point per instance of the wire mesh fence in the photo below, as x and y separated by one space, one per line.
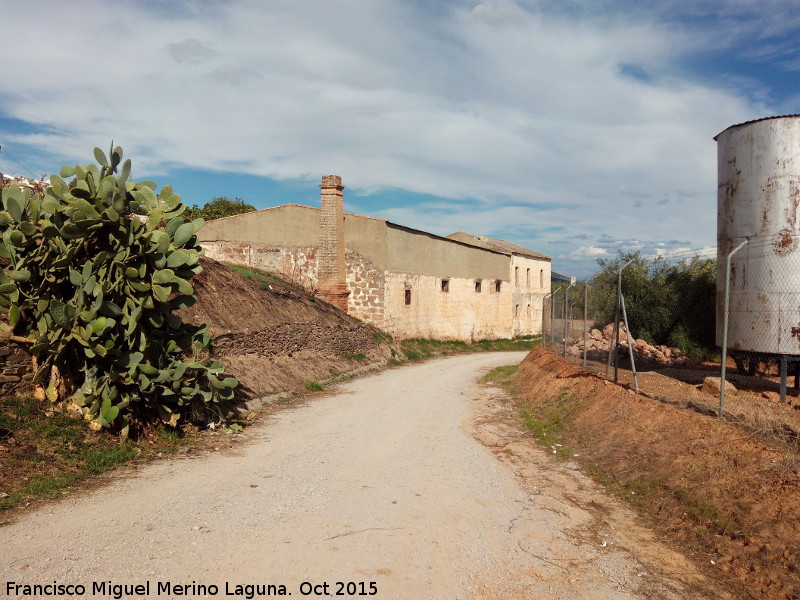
657 326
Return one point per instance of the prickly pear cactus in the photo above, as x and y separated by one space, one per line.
94 287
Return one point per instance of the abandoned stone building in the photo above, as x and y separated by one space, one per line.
406 282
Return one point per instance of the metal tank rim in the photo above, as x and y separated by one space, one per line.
754 121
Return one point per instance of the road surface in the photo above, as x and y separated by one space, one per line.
410 484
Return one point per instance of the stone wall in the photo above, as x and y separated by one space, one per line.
288 338
460 313
300 266
366 284
530 281
16 368
296 265
378 297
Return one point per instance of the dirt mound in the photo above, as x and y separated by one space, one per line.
273 338
730 498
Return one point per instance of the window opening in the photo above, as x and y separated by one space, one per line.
528 277
497 283
445 285
516 276
408 296
478 285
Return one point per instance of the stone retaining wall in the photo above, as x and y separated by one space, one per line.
16 368
288 338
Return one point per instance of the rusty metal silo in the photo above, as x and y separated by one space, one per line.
757 200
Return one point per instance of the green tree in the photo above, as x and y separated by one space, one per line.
219 207
671 304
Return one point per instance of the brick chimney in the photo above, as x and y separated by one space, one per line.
332 282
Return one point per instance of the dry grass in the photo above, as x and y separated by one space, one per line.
754 407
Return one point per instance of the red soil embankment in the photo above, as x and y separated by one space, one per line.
731 499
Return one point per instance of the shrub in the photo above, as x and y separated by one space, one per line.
220 207
94 287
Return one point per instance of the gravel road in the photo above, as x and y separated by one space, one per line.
415 479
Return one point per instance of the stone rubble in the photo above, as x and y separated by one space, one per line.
601 342
37 185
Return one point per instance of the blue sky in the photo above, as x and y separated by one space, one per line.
574 127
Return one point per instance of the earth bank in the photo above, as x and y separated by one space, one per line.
731 499
273 338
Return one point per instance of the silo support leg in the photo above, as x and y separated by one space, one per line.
783 378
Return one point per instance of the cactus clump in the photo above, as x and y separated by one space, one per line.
94 288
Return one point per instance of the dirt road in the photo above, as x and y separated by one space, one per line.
382 481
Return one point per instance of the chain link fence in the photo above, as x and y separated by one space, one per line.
656 326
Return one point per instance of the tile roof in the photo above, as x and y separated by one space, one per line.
503 246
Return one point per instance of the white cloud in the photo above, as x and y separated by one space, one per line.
509 106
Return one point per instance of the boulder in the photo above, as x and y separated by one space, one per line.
711 385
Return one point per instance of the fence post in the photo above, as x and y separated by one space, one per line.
544 312
553 317
630 343
566 299
615 335
585 311
572 317
725 328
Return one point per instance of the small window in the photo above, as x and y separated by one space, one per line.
528 277
497 283
516 276
529 311
541 278
478 283
445 285
408 296
516 310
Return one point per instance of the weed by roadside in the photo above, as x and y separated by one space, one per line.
413 355
549 420
172 437
42 451
414 349
381 336
502 376
315 386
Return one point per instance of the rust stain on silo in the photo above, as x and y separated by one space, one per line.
767 199
785 243
794 202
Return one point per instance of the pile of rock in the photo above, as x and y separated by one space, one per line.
37 185
600 342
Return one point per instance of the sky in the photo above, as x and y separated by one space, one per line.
578 128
